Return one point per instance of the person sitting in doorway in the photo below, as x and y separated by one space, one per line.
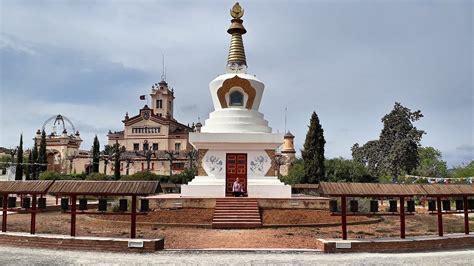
237 188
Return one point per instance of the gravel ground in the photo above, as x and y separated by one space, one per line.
22 256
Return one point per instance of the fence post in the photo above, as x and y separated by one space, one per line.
343 217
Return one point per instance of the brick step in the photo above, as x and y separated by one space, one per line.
246 220
237 207
236 204
232 225
237 216
236 200
236 211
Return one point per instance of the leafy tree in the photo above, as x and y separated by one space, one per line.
369 155
34 160
95 155
171 156
431 163
295 174
396 150
42 155
342 170
313 153
464 171
19 161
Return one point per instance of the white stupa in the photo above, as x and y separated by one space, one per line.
236 141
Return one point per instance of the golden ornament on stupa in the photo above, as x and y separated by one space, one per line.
236 29
237 11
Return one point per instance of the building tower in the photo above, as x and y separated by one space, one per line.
236 141
162 99
288 152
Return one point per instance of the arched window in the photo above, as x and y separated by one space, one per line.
236 98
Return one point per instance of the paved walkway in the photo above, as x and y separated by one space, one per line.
14 256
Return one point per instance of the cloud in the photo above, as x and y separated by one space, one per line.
348 61
466 147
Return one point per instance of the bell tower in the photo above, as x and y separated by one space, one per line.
162 100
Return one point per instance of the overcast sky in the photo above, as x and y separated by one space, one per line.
349 61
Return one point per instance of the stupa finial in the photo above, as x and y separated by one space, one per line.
237 11
236 60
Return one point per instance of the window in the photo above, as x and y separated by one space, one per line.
145 146
159 103
177 146
178 166
136 146
155 146
236 98
146 130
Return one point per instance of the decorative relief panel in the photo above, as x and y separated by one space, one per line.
214 164
258 164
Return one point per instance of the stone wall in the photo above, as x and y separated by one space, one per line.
422 243
209 203
79 243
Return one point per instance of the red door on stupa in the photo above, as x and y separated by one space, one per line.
236 167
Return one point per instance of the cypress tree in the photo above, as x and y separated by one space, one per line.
28 168
313 153
95 155
19 161
117 154
34 160
42 156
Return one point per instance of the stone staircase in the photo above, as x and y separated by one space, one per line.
236 213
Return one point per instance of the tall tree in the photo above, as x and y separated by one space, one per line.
42 155
34 161
107 156
19 161
28 168
313 153
396 150
95 155
431 163
117 156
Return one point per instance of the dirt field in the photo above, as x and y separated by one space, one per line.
195 237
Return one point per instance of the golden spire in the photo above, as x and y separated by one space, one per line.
236 56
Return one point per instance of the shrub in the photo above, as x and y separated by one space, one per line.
51 175
75 176
184 177
98 177
145 176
